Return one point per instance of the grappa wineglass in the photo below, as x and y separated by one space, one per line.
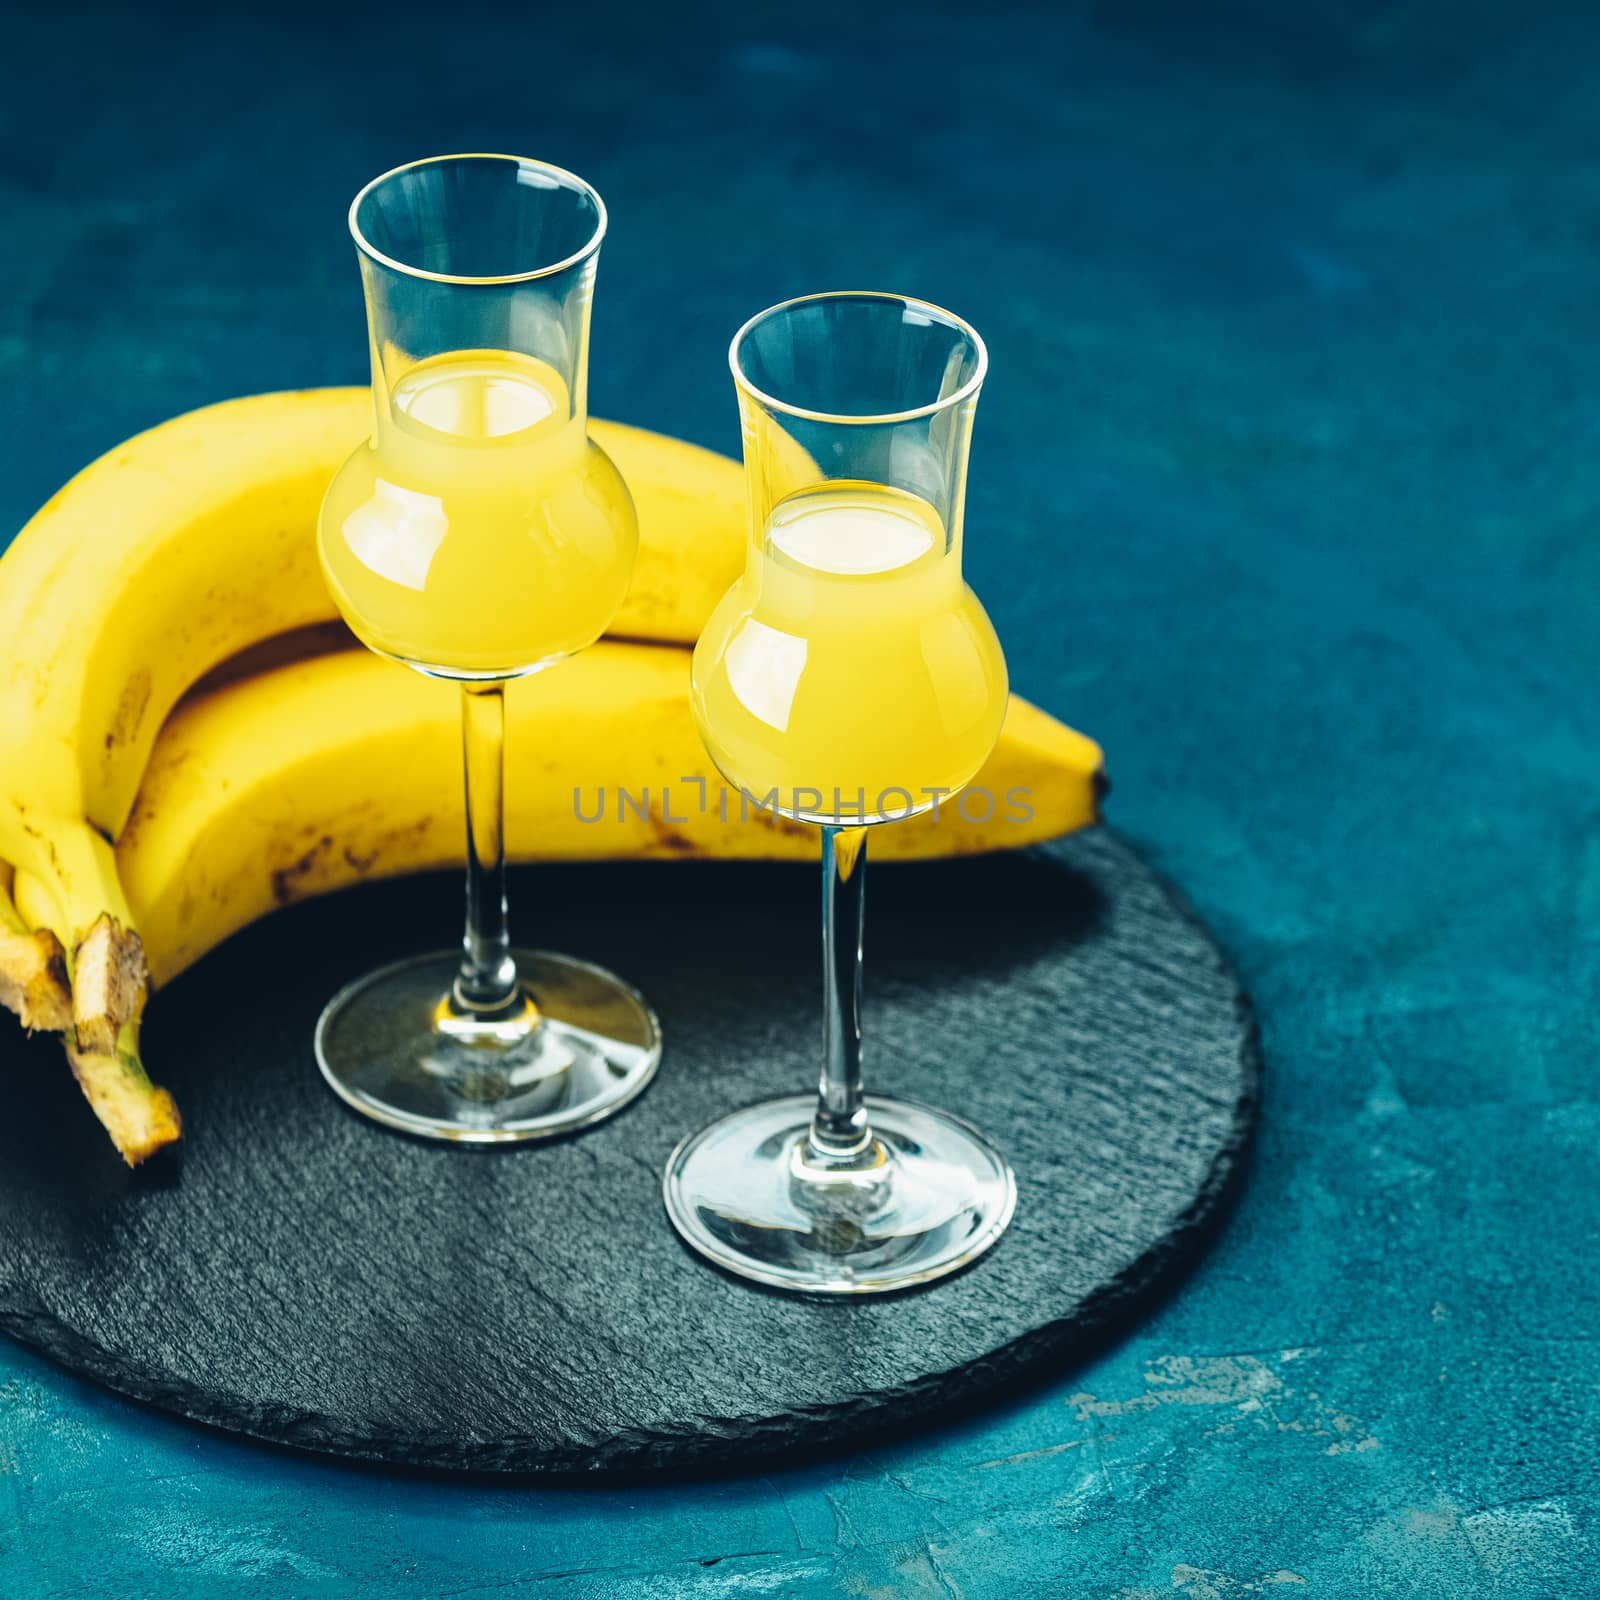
480 536
850 678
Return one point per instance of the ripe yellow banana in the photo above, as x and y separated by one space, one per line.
194 541
166 557
324 772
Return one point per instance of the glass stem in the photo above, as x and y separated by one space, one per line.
487 982
839 1130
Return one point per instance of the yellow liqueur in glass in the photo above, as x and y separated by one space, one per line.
481 533
851 661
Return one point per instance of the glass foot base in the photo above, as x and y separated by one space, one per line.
578 1046
929 1195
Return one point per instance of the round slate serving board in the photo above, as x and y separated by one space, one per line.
297 1274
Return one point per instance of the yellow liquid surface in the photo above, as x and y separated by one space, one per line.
850 657
480 533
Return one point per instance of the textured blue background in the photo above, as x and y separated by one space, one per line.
1285 487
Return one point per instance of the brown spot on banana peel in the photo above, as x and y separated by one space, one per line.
42 839
286 879
669 838
304 875
775 821
129 715
403 839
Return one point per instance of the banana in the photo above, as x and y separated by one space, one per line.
191 549
196 540
325 772
693 524
168 556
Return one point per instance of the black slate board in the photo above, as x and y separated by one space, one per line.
300 1275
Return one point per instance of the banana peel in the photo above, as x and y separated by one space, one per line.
195 541
162 562
327 772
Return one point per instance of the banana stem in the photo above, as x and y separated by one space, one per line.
33 968
487 981
139 1117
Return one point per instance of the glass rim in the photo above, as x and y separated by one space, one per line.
587 249
927 308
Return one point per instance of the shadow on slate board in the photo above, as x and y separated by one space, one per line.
301 1276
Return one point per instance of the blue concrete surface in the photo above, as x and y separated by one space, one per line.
1285 486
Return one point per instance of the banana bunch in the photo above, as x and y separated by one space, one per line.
190 741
